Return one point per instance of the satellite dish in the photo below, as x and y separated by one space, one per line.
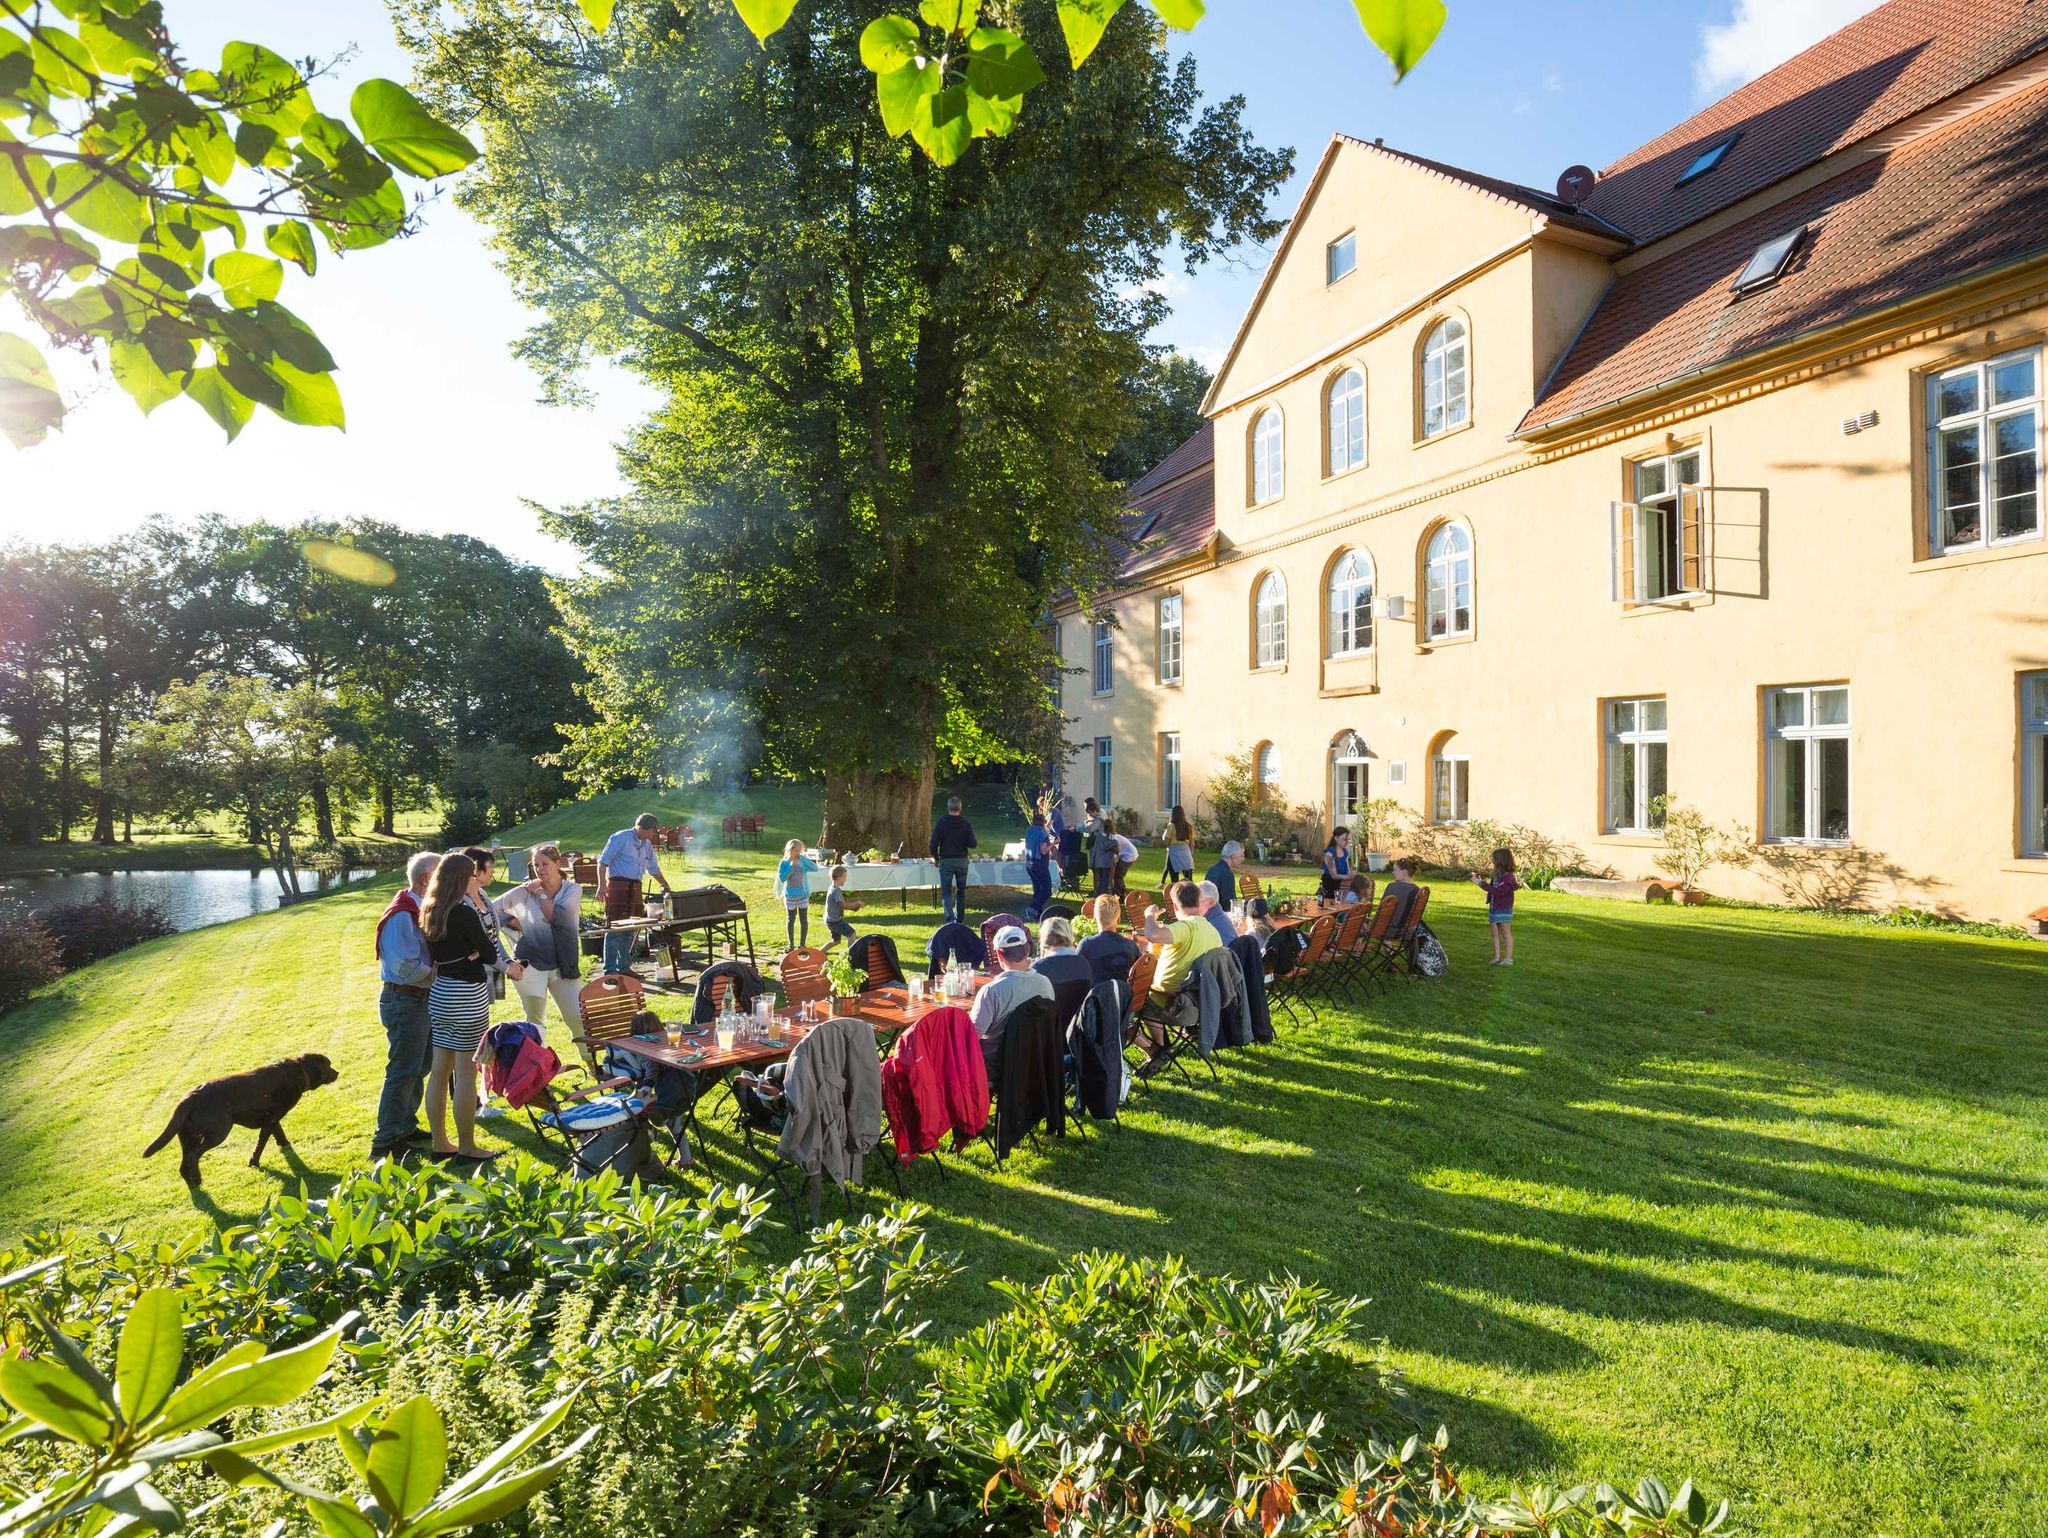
1575 185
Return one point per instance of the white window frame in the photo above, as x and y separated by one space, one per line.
2034 765
1269 457
1641 552
1171 638
1446 370
1341 804
1104 651
1985 418
1347 434
1452 772
1269 622
1351 579
1348 244
1811 735
1105 772
1636 740
1440 583
1169 771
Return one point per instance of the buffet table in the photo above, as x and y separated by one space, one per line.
906 876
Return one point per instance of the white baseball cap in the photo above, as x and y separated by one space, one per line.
1011 938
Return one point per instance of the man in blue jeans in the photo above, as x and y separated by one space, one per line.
952 839
407 971
628 860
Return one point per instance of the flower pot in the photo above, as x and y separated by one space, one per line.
1691 896
1375 861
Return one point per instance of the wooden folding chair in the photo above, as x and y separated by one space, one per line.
608 1004
873 958
803 977
1135 906
1383 947
1249 885
1404 956
1303 976
1346 946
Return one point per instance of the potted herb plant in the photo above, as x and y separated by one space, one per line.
846 979
1376 824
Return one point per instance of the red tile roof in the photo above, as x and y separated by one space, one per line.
1962 200
1875 72
1173 507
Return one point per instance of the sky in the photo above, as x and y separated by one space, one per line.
445 429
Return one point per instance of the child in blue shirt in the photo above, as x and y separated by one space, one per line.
793 886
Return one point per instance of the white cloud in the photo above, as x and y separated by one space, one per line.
1763 34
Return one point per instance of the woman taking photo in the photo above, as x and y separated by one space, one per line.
458 1004
1336 863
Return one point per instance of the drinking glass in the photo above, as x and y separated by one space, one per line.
674 1028
726 1034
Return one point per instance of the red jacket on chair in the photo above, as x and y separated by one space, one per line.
935 1080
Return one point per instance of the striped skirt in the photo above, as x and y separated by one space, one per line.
460 1013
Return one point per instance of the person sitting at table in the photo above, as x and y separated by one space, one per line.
1224 874
1012 985
1060 964
1258 921
629 859
1189 936
1108 952
1357 889
1213 911
1403 885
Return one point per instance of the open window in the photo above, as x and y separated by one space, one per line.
1659 541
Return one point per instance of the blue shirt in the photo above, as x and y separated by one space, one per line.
795 876
1226 884
629 857
1225 930
1035 840
402 953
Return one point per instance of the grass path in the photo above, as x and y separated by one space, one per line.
1754 1197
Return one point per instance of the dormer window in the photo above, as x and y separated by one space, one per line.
1768 265
1707 159
1342 259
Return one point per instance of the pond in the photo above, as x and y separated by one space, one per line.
189 898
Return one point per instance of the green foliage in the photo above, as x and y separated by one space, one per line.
29 956
1469 846
846 978
947 81
128 177
1692 844
1237 809
858 359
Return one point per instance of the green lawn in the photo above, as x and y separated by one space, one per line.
218 847
1750 1196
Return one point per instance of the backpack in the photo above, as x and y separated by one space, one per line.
762 1104
1426 953
519 1066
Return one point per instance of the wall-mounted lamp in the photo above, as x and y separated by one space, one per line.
1393 606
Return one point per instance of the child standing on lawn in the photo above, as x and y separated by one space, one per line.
1500 889
793 886
837 906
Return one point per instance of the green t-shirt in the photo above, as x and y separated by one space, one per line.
1191 937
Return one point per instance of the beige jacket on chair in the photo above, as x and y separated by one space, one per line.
835 1101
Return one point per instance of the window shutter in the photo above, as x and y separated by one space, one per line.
1693 564
1622 518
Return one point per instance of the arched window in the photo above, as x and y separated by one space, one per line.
1347 421
1269 478
1269 618
1268 769
1447 583
1444 398
1450 780
1351 604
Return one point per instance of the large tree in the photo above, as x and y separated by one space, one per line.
888 387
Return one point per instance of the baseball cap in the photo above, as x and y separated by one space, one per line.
1011 938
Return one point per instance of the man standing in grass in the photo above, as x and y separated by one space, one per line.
629 858
952 839
407 972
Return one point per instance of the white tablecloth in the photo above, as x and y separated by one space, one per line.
909 875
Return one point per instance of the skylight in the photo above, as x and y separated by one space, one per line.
1768 265
1707 159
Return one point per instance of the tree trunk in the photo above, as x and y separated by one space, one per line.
67 763
386 811
323 813
103 814
885 809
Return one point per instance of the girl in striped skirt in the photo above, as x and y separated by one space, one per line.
458 1004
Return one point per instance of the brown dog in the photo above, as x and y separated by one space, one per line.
260 1098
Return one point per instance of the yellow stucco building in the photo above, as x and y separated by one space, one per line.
1717 474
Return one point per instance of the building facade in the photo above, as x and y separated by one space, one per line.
1721 480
